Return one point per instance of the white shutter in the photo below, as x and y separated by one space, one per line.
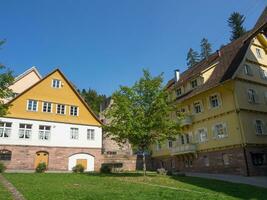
190 137
214 133
206 133
225 130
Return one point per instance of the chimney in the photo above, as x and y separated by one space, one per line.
177 75
219 53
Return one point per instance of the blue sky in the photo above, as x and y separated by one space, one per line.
102 44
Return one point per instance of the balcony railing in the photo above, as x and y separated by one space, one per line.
183 149
186 120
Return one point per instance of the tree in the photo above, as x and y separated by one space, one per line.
192 58
205 48
235 22
93 99
6 79
141 114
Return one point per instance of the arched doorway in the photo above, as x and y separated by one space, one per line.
86 160
41 157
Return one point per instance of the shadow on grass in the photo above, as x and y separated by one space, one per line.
237 190
124 174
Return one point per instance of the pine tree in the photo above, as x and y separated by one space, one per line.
205 48
192 58
235 22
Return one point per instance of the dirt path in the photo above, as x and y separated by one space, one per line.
14 192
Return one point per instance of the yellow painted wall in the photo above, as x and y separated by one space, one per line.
44 92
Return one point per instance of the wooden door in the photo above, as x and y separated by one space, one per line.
83 162
41 157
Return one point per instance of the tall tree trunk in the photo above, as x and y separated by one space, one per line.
144 163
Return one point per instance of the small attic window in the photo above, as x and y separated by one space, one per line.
194 83
248 70
56 83
258 53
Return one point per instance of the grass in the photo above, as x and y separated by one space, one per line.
129 186
4 194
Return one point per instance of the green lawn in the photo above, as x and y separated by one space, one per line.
128 186
4 194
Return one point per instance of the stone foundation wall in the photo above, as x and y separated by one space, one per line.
23 157
128 161
216 164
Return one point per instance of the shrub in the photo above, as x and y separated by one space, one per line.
78 168
2 167
105 169
41 167
162 171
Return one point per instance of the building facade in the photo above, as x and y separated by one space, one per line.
223 104
49 122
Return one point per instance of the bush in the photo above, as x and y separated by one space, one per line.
105 169
162 171
2 167
41 167
78 168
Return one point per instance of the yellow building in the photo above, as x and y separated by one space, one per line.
224 103
49 122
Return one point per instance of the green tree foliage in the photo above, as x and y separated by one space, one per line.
205 48
141 114
6 79
93 99
192 58
235 22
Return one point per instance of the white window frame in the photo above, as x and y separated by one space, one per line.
263 73
72 112
200 107
25 132
61 109
218 99
252 96
30 106
44 134
158 146
262 127
226 159
258 53
202 139
215 130
193 83
74 133
91 134
170 142
248 70
51 107
57 84
5 131
178 91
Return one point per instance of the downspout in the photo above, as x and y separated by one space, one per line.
242 131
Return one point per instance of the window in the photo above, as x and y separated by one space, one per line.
74 133
25 131
206 161
219 131
44 132
214 101
197 107
47 107
61 108
90 134
111 152
225 158
182 139
74 110
170 144
252 96
258 53
259 127
5 129
5 154
258 159
263 73
178 92
248 70
32 105
194 83
202 135
56 83
187 138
